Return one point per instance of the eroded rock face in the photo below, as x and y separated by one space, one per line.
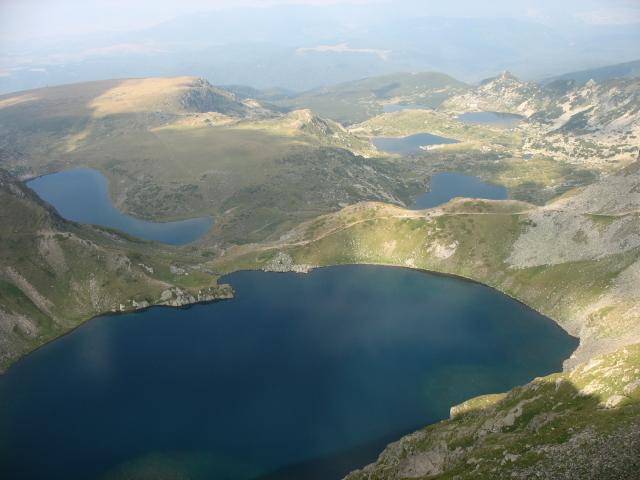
12 323
443 251
592 223
560 236
283 262
504 93
177 297
428 463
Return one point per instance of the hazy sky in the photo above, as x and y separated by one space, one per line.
28 19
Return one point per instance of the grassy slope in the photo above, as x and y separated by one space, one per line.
408 122
608 72
579 425
56 274
476 239
492 153
584 272
356 101
258 173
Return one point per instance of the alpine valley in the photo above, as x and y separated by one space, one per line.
293 182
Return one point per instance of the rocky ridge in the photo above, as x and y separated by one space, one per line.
595 124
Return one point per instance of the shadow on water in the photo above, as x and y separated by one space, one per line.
334 466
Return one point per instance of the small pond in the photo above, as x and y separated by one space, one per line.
446 186
499 119
410 144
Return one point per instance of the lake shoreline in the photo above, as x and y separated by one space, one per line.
83 195
435 273
297 272
420 309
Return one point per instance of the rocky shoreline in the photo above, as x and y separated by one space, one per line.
178 297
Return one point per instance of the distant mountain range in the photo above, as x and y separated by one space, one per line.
620 70
307 47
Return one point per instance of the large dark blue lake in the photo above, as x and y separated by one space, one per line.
300 376
82 195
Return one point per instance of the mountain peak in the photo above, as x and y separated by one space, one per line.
507 75
504 77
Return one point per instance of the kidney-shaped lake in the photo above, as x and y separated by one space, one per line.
82 195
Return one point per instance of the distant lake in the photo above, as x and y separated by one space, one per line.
300 376
410 144
82 195
446 186
397 107
491 118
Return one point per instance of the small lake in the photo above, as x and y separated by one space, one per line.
499 119
82 195
397 107
300 376
446 186
410 144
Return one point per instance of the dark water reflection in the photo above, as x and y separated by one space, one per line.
410 144
446 186
299 375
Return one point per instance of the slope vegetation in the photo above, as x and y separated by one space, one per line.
177 148
576 259
56 274
584 424
594 125
356 101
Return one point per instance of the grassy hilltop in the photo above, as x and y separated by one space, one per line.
177 148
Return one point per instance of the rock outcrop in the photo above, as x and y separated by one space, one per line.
283 262
556 427
177 297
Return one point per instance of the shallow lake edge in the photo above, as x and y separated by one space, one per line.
463 278
26 179
300 274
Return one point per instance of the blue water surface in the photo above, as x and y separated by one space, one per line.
299 376
410 144
446 186
82 195
499 119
